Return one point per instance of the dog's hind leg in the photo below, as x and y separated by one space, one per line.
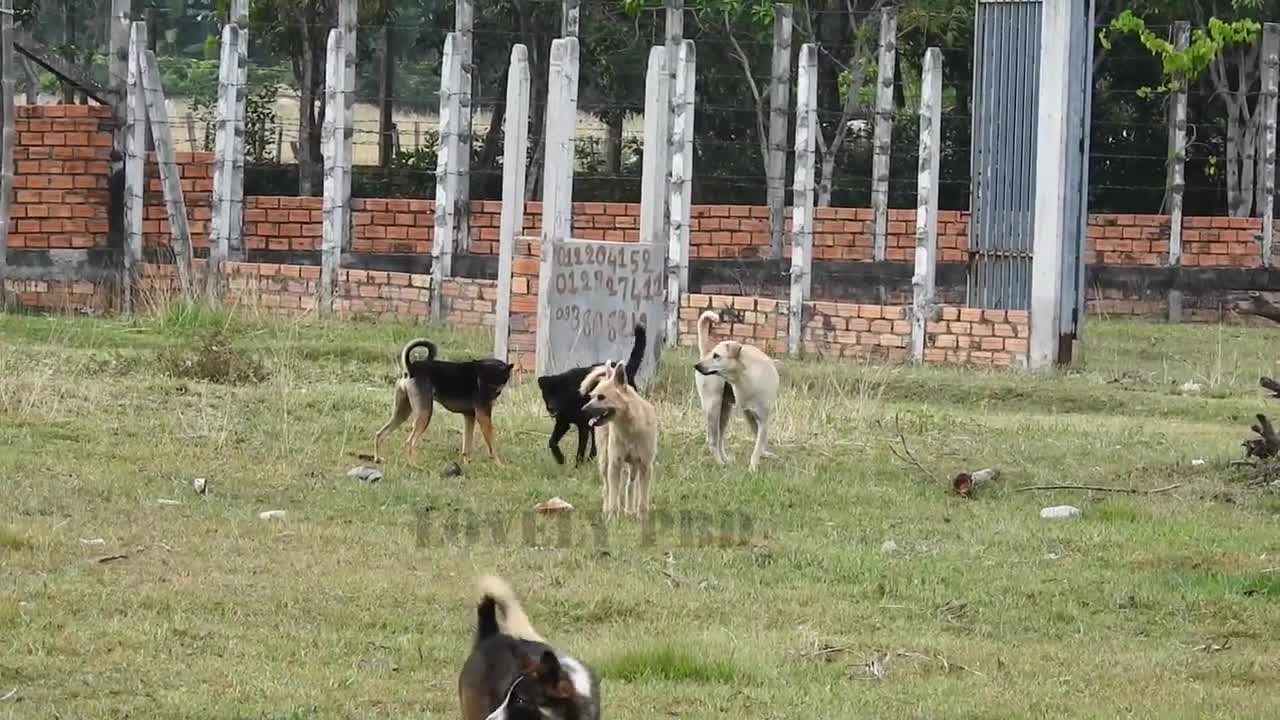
421 421
468 434
401 409
486 431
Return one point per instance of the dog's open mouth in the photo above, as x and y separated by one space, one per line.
600 418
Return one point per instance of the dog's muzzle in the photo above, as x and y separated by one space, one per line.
597 416
702 370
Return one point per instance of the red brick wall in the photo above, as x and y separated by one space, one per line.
196 172
61 165
961 336
61 200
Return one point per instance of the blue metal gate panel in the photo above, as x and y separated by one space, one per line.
1002 196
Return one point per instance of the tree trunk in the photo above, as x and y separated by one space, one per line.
33 81
306 105
492 138
613 143
824 184
1234 139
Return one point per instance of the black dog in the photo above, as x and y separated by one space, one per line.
469 388
564 399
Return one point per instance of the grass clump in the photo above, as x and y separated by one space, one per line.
212 357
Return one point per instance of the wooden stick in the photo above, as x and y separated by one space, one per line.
1102 488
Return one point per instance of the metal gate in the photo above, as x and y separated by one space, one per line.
1004 148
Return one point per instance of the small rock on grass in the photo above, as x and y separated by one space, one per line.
889 547
1059 512
200 485
271 515
554 505
452 470
364 473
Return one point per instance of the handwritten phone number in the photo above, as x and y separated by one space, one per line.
638 258
588 323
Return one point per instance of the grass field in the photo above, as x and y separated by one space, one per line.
1146 606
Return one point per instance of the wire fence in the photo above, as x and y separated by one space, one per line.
1129 143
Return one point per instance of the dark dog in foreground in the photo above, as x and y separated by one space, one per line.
469 388
563 396
513 674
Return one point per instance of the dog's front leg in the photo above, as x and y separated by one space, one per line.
557 434
761 426
613 480
641 477
485 419
585 437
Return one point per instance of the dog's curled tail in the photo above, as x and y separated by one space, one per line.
412 345
496 590
637 354
704 330
594 377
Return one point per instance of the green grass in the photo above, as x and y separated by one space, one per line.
356 605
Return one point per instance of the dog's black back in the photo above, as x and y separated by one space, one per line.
564 400
460 386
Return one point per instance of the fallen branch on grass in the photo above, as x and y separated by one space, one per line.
1102 488
906 456
1267 444
1258 305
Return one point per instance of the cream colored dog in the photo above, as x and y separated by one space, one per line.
754 380
714 393
626 428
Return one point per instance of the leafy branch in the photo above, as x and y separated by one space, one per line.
1181 67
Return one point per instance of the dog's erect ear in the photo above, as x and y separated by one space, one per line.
733 348
620 374
525 663
544 382
549 668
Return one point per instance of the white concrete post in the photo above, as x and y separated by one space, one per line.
569 18
557 176
240 18
1270 89
8 127
883 139
1050 187
779 99
464 27
515 150
446 207
654 162
681 186
1177 170
337 171
170 176
224 207
134 164
922 281
802 193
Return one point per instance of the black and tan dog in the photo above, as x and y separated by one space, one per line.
469 388
562 394
513 674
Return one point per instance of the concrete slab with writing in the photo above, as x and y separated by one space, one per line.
596 294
